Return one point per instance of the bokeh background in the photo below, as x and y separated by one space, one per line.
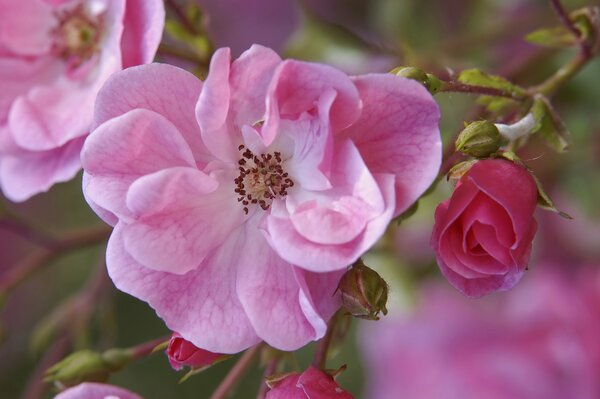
69 303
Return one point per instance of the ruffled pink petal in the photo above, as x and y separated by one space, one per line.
318 297
93 390
298 250
338 215
108 217
449 246
18 75
485 210
202 304
398 133
487 239
125 148
493 176
478 287
270 295
297 87
520 255
26 26
164 89
44 118
310 163
212 109
144 20
26 174
181 215
249 80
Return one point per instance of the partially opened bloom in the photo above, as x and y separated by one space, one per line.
182 352
239 202
310 384
92 390
54 57
483 234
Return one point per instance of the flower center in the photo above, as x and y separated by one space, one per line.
77 36
261 179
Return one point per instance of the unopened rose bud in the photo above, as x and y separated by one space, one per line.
84 365
479 139
431 83
88 365
364 292
182 352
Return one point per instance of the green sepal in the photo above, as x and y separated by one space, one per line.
197 370
549 125
557 37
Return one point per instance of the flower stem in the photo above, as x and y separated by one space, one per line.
147 348
566 20
320 359
236 373
459 87
269 370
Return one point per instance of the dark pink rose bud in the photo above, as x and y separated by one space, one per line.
183 353
311 384
482 235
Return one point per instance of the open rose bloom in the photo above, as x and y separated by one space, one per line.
92 390
54 57
239 202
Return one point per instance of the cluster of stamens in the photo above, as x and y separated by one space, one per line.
77 35
261 179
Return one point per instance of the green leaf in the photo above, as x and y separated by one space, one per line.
558 37
496 105
549 124
477 77
545 202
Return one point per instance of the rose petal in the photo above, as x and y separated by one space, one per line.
202 305
397 132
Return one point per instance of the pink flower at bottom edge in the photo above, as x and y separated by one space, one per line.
54 57
92 390
311 384
238 202
483 234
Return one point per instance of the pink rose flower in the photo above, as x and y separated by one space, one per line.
311 384
238 202
182 352
54 57
541 341
482 235
93 390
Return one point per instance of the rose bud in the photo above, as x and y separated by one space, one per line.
88 365
183 353
482 235
311 384
479 139
364 292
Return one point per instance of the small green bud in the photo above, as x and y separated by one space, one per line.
479 139
364 292
84 365
431 82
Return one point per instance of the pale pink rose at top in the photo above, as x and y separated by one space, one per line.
92 390
483 233
239 202
182 352
541 341
54 57
310 384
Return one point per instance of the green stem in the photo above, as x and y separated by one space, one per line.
459 87
320 359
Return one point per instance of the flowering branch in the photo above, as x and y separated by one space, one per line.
236 373
566 20
454 86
